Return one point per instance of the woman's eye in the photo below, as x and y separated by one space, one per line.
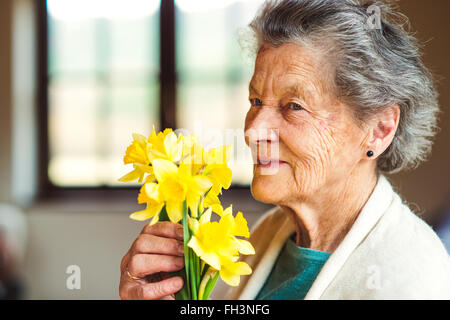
294 106
256 102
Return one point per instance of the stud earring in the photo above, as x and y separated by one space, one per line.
370 153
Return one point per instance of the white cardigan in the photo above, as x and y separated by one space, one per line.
389 253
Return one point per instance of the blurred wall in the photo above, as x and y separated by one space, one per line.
427 189
95 236
5 99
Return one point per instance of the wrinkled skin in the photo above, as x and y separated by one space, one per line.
145 268
321 174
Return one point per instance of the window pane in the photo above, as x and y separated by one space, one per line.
103 67
213 75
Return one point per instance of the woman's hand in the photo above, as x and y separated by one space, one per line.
145 268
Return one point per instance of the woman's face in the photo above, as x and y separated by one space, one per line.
302 138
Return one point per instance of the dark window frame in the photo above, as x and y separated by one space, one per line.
167 106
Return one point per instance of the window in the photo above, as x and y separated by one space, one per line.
213 75
107 74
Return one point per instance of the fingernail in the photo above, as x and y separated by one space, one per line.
180 232
179 262
181 248
177 283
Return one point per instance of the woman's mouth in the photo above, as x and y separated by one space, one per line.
269 163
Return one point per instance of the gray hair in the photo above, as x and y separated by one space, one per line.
376 66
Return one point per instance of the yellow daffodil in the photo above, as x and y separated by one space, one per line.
182 179
193 153
212 201
238 228
217 245
176 185
217 169
137 154
231 271
165 145
211 242
137 151
138 173
219 156
150 195
142 152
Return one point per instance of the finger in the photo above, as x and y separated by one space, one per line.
124 262
165 229
162 289
148 243
141 265
132 291
158 276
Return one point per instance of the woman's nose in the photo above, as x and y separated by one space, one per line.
261 126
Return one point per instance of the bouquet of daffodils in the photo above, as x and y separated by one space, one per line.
182 183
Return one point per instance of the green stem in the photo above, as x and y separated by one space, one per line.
205 278
193 275
197 270
205 268
187 250
210 286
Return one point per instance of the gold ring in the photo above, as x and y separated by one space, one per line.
131 276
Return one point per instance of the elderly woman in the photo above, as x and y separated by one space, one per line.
342 99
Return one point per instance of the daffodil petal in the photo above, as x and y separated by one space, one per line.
149 212
230 250
206 216
200 184
164 169
172 190
140 215
130 176
228 210
142 197
240 227
155 219
229 278
212 259
230 273
149 178
217 208
173 147
221 174
153 134
212 201
152 191
227 221
143 168
220 155
192 203
193 224
139 138
240 268
136 153
174 211
194 244
185 169
245 247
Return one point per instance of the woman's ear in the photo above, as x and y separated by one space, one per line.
382 128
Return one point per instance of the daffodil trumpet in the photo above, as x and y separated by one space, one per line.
182 183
